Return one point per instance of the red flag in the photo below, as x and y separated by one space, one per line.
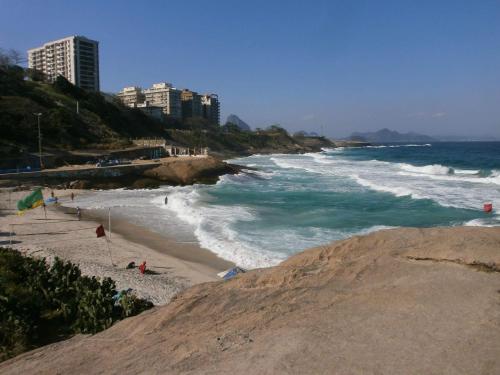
100 231
142 267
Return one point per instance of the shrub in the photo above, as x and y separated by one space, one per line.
40 304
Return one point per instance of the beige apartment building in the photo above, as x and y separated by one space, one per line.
174 103
76 58
131 96
165 96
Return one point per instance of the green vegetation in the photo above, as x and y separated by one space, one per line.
40 304
102 122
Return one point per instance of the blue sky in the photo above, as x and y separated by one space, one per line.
427 66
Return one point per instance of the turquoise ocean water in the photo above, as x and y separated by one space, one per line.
283 204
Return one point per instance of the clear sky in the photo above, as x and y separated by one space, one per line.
428 66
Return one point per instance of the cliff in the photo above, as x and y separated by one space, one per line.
402 301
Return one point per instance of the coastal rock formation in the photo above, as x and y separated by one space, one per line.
180 171
401 301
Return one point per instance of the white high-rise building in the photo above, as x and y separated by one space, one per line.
76 58
131 96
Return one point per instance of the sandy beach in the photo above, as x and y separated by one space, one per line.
174 266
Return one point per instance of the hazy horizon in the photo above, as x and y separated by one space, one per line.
431 68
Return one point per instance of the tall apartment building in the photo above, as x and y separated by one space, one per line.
191 104
76 58
167 97
211 108
131 96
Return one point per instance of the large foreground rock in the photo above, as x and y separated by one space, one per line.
404 301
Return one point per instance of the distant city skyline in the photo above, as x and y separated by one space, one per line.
428 67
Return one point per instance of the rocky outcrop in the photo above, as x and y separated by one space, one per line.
180 171
402 301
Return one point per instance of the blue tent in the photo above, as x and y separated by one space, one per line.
229 274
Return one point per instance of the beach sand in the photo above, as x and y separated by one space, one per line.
174 266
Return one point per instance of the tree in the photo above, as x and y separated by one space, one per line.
10 57
229 127
36 75
64 86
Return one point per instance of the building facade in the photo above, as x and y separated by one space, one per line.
191 104
165 96
76 58
211 108
131 96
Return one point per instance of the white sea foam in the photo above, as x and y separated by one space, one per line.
213 226
435 169
397 146
493 221
435 182
397 191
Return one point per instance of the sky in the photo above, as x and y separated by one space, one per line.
333 67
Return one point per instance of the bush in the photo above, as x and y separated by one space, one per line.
40 304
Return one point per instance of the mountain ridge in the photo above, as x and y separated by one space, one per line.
387 135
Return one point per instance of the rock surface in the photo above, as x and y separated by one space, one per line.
402 301
181 171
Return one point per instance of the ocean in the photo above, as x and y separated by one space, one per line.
285 203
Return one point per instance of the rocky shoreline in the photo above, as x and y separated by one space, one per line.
166 171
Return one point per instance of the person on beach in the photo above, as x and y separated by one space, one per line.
72 196
78 213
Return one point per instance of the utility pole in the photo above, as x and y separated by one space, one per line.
39 139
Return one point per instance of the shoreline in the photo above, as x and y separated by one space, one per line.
190 252
175 266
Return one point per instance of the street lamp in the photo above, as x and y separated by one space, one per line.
39 140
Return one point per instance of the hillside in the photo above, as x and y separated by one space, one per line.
401 301
102 122
388 136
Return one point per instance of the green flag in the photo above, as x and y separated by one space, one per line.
35 199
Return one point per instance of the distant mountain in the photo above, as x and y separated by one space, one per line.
239 122
386 135
303 133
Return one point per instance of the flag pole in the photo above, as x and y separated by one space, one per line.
109 251
109 222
